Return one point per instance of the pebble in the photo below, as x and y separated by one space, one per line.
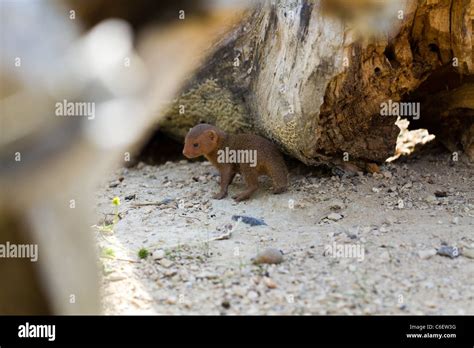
131 197
171 300
207 275
116 278
430 199
159 254
392 189
170 273
249 220
269 283
426 254
166 263
469 253
239 291
334 217
449 251
269 255
252 295
336 205
439 193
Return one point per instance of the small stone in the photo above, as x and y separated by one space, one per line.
116 278
159 254
334 217
249 220
171 300
170 273
207 275
469 253
402 306
239 291
166 263
269 283
426 254
130 197
455 220
336 205
430 199
270 256
252 295
448 251
225 304
387 174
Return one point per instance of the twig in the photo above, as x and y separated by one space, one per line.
119 259
136 205
191 217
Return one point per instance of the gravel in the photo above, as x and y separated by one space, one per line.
193 271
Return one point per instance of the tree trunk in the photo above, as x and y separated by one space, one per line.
311 80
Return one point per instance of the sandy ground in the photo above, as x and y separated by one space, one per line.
384 230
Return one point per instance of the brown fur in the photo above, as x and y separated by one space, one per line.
206 140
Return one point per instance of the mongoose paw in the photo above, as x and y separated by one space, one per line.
241 197
219 195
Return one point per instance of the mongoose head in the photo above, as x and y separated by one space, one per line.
201 140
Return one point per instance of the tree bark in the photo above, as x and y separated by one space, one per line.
314 83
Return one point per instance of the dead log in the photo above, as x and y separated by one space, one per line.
304 76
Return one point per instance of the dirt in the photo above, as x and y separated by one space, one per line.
386 228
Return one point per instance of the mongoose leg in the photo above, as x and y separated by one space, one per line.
227 175
279 175
251 179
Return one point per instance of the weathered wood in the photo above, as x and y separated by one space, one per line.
306 79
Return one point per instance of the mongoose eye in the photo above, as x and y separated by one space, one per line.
196 144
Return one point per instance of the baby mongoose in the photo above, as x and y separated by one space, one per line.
247 154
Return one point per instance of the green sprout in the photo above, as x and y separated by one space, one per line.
143 253
116 203
108 252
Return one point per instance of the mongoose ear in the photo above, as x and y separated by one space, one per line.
212 135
